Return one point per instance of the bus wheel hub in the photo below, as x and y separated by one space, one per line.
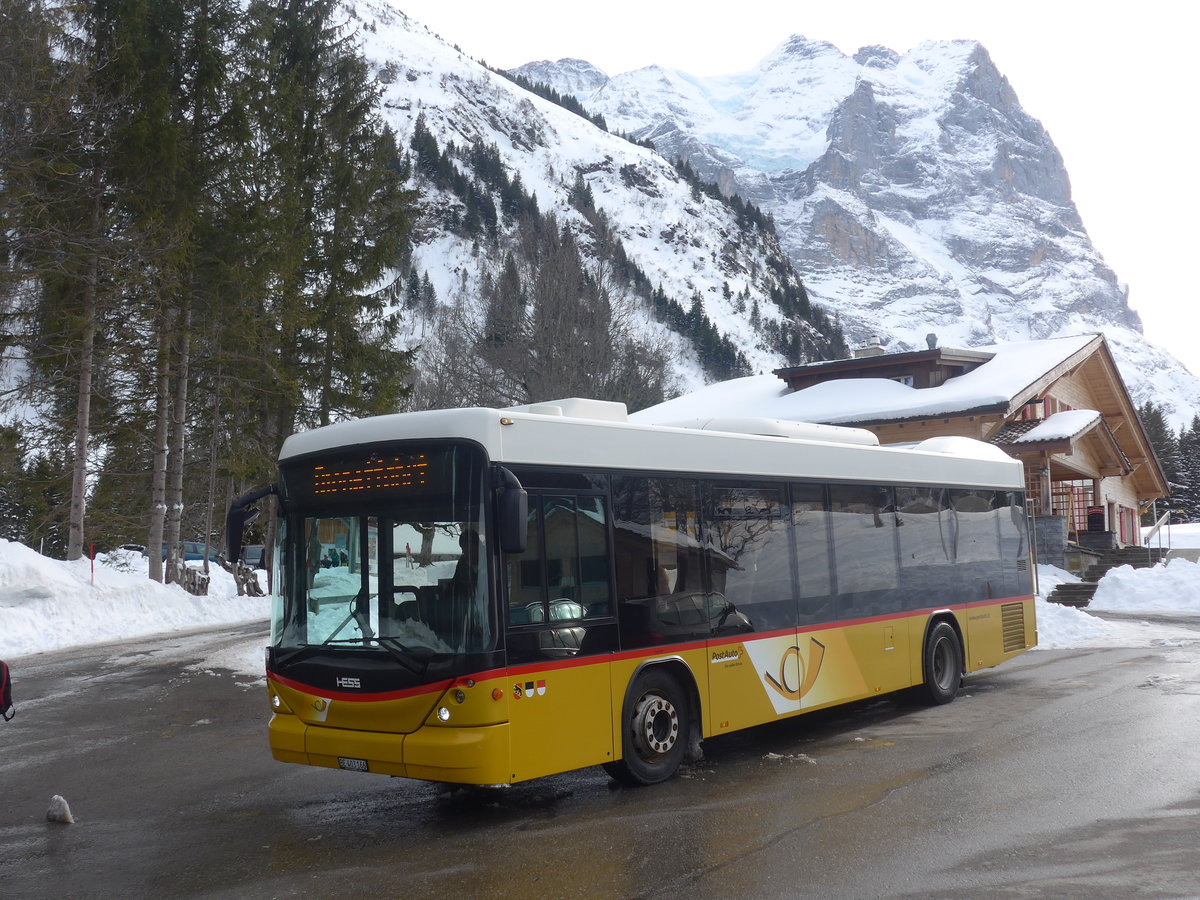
656 723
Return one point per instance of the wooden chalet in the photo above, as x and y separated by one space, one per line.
1060 406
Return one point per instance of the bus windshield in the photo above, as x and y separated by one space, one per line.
384 550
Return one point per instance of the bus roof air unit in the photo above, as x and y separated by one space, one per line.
577 408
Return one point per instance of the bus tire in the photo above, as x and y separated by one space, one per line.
941 664
655 725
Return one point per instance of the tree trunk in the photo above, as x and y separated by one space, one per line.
425 558
175 457
83 414
87 361
158 477
213 446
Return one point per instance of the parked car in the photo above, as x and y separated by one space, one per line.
252 556
192 551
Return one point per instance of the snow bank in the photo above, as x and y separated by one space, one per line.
48 604
1064 626
1173 587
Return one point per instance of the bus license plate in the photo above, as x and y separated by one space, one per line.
354 765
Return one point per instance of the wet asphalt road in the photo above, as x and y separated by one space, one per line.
1063 773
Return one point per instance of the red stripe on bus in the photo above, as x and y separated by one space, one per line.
436 687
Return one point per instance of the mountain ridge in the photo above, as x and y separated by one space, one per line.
702 258
911 191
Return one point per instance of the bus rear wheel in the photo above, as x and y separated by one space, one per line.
941 664
655 725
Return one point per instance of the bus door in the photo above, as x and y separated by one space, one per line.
561 631
756 666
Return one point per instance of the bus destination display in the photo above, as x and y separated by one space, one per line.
379 472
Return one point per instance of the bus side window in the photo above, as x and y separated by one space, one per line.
749 559
810 532
584 543
864 545
925 523
525 592
662 583
560 585
977 541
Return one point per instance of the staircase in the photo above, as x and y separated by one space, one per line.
1080 593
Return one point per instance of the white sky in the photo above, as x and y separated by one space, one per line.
1112 84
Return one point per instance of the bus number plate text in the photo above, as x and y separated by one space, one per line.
354 765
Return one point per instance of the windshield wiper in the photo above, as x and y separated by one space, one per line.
282 658
394 648
401 654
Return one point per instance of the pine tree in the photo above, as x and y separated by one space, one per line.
1167 447
1185 498
338 208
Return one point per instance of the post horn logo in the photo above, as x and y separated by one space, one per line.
808 673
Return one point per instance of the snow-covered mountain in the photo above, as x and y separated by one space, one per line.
696 248
912 193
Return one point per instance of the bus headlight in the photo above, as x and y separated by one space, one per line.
443 714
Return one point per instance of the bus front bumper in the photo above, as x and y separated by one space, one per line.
464 755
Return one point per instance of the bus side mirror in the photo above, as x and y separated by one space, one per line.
512 513
239 516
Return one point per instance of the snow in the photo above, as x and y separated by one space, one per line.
1061 426
928 238
48 605
685 244
1179 537
849 400
1134 591
1170 588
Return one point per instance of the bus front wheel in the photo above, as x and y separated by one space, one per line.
942 664
655 725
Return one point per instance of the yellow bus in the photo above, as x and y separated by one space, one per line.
482 596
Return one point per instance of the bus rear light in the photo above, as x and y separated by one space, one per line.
443 713
497 693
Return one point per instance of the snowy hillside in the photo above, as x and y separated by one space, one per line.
912 193
687 243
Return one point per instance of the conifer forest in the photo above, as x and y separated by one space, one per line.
206 244
201 211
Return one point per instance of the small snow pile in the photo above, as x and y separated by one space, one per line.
48 604
1173 587
793 757
1064 626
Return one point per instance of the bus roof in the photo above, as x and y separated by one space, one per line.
588 434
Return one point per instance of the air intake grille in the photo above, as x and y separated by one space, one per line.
1012 622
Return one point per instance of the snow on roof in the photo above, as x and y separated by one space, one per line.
956 445
1012 369
1060 426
